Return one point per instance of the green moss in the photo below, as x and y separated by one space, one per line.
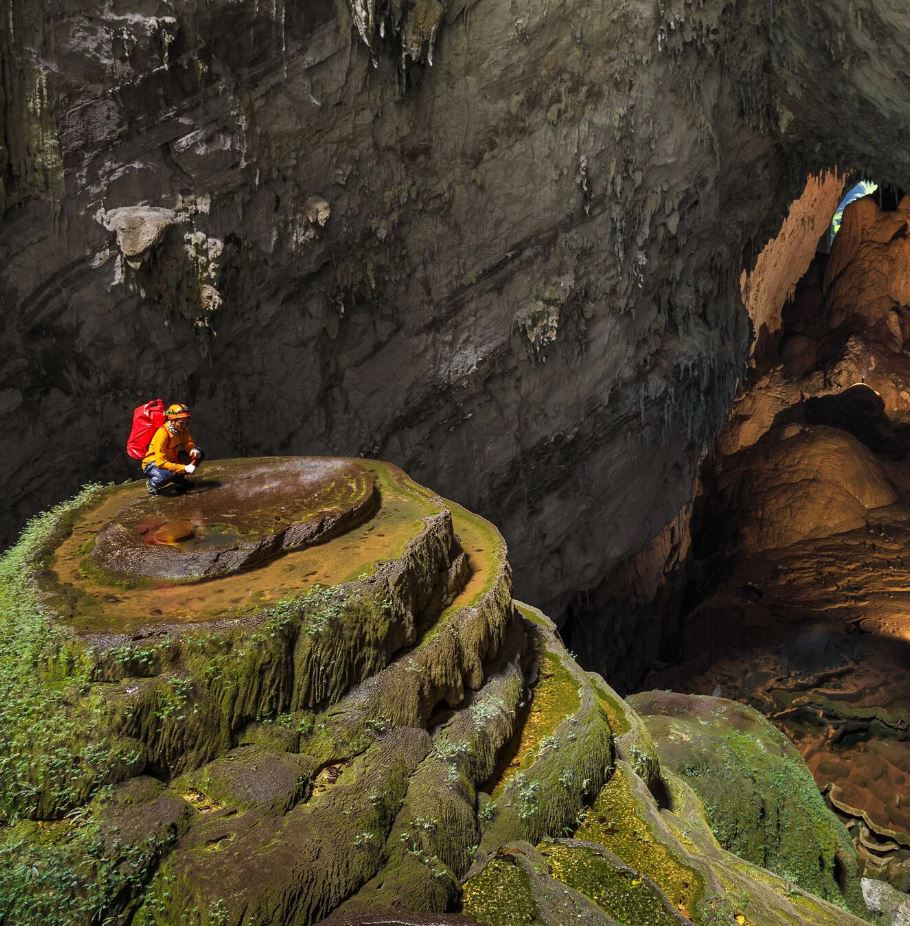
555 699
613 706
759 798
623 893
55 747
68 874
534 616
616 822
158 907
500 896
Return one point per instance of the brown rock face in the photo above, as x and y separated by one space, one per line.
868 273
772 282
802 609
800 482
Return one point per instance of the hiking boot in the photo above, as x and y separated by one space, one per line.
181 486
150 488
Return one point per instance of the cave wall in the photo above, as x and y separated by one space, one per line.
513 271
784 260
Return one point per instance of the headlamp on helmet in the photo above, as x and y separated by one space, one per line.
177 413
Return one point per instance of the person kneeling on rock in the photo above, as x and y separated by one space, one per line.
162 462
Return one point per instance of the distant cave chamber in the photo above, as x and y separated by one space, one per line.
786 584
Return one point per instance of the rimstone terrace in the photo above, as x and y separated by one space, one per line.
305 691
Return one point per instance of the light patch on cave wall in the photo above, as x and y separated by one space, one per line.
863 188
785 258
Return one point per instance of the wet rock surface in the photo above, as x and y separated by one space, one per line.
398 742
235 515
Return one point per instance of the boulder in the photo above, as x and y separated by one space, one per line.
800 482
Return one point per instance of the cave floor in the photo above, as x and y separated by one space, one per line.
817 636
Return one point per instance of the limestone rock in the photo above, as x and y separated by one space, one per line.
139 229
801 482
785 259
354 729
891 905
761 801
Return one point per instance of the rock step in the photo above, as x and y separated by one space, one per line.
561 755
426 785
111 610
174 695
466 658
640 827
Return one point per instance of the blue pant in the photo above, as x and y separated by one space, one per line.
162 477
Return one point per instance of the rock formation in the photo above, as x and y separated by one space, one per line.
369 730
802 537
500 248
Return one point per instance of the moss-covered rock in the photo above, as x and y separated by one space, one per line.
376 726
761 801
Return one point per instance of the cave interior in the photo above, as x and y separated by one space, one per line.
787 587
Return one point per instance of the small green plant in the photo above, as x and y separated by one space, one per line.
529 794
321 606
486 813
172 699
218 914
378 724
487 709
449 750
426 826
70 875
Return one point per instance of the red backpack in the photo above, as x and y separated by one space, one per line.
146 420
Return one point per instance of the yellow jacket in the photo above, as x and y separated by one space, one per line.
164 448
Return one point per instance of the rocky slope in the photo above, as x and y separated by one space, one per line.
369 729
499 246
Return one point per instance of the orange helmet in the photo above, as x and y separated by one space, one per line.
176 412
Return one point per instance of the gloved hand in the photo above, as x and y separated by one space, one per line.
195 454
190 468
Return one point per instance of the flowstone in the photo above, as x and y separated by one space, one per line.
367 729
759 797
242 512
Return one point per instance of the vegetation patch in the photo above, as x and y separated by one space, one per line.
67 873
54 751
555 699
616 822
759 798
500 896
628 896
610 703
